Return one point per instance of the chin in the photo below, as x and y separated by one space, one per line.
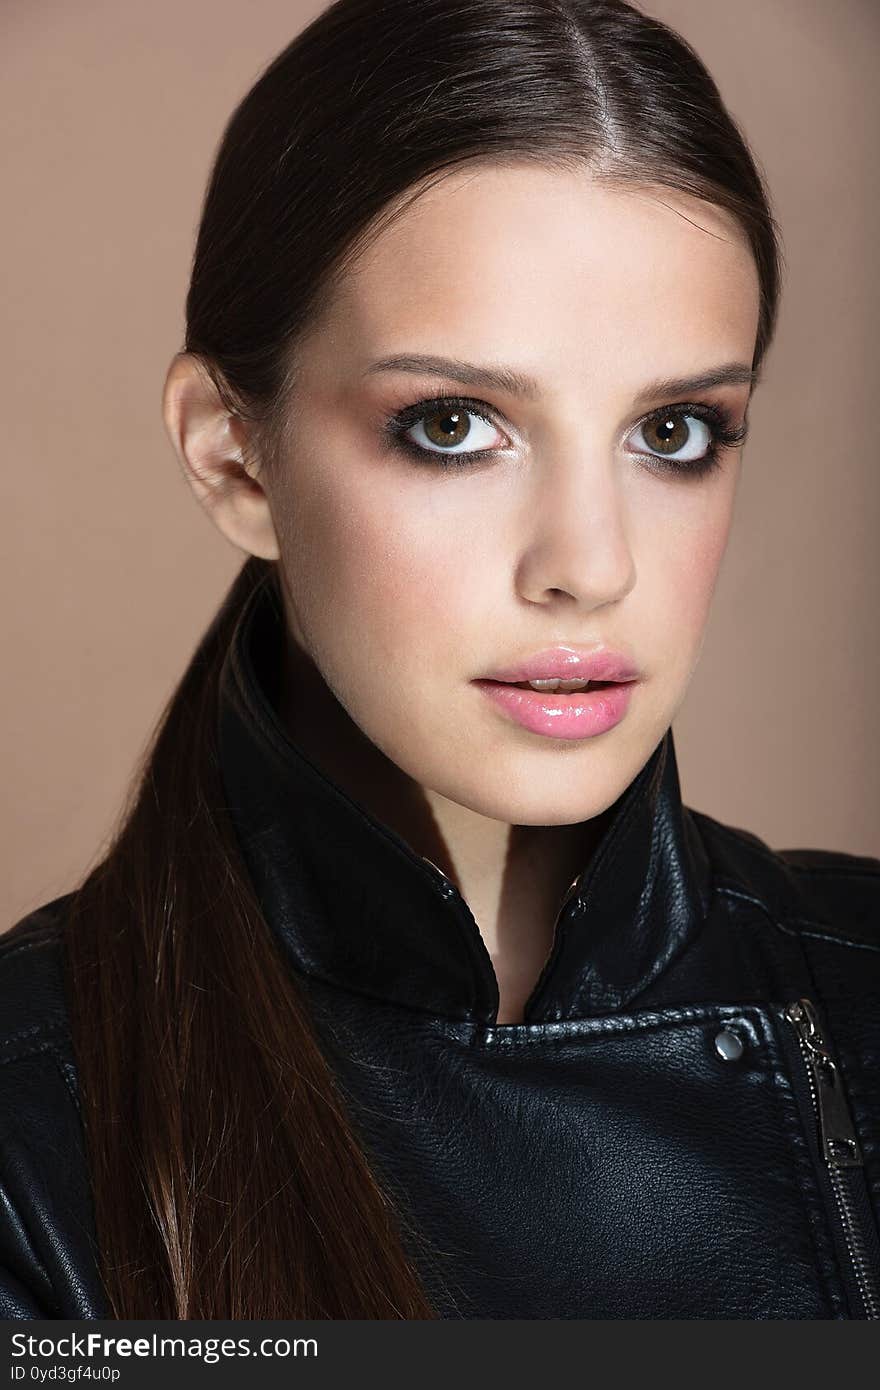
515 796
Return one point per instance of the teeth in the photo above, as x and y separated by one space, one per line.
558 685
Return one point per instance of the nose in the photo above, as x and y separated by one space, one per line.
576 536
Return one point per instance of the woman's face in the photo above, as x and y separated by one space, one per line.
588 516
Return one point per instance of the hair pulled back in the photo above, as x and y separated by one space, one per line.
228 1181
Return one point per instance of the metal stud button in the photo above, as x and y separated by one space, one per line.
728 1045
447 887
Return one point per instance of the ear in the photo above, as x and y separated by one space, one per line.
211 445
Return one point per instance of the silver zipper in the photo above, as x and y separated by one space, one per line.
838 1140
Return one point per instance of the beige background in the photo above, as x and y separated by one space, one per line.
111 116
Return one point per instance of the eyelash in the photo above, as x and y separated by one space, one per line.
725 433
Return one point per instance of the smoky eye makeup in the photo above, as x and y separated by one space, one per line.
687 438
445 423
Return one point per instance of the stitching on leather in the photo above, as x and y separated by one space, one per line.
64 1066
47 1046
34 1028
18 948
773 1067
821 933
839 940
565 1030
733 890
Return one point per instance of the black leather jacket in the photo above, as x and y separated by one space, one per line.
686 1124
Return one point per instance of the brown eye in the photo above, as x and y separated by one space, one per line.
675 434
447 427
450 427
668 435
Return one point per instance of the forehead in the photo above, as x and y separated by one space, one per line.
533 263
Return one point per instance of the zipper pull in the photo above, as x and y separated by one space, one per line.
840 1144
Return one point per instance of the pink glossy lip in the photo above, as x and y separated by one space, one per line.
569 663
582 714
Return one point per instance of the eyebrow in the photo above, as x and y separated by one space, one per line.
517 384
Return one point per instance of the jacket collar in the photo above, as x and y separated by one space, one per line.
357 907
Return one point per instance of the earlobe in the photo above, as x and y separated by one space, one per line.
210 447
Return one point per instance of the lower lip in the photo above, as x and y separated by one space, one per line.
581 714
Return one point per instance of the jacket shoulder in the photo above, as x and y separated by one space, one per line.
811 890
33 1006
47 1262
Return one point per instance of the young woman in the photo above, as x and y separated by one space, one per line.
409 987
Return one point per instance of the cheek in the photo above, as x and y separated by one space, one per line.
680 571
410 592
378 573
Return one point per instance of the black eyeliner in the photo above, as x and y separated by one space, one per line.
396 427
725 434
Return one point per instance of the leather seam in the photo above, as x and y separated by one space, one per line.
609 1028
64 1066
9 950
790 925
36 1051
33 1029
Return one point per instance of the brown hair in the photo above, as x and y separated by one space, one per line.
228 1181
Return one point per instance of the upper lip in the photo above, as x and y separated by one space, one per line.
566 662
